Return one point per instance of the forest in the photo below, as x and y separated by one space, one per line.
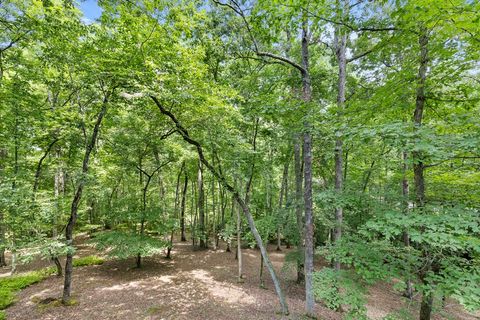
240 159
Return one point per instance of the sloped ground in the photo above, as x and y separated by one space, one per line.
193 285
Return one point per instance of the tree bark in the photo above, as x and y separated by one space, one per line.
283 192
177 195
182 209
406 238
67 286
307 160
340 48
201 206
215 217
418 165
299 208
3 261
239 245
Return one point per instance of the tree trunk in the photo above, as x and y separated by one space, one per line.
59 188
307 160
177 195
299 208
201 206
418 165
340 48
67 286
193 213
3 262
223 204
214 208
426 307
182 209
58 265
239 245
406 238
262 282
283 189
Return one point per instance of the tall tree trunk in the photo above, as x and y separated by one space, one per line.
201 206
418 165
252 169
3 261
406 237
223 205
246 210
59 189
182 209
144 206
299 208
341 49
239 245
229 242
307 161
177 196
67 286
214 208
283 191
16 168
194 213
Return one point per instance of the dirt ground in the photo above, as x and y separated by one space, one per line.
192 285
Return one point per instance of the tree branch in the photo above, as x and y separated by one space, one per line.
257 51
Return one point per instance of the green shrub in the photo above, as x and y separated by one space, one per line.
3 316
340 289
88 261
7 297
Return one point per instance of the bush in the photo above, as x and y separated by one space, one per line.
341 289
88 261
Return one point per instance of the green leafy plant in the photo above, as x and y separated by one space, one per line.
341 290
88 261
124 245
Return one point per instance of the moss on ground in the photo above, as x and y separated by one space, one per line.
9 286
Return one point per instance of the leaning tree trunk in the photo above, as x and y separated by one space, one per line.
246 210
67 286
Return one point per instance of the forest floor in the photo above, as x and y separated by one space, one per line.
193 285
